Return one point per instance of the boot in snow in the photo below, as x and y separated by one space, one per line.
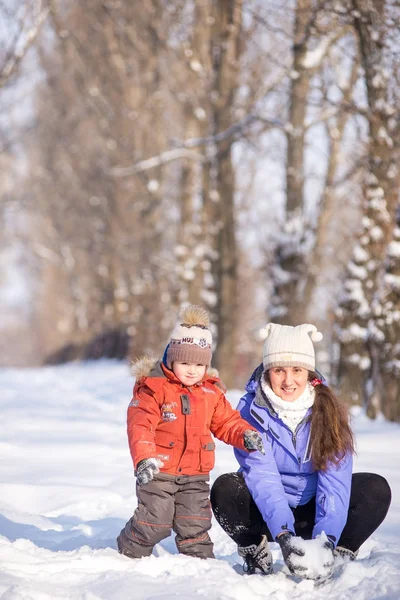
345 553
257 558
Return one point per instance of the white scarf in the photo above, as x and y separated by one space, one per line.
291 413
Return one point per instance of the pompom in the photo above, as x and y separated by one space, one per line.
191 314
315 335
264 332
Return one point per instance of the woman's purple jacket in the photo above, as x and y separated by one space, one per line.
284 477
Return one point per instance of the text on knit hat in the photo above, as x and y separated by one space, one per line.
191 339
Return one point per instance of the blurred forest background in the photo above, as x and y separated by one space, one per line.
240 154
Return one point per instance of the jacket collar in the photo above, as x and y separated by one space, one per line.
254 387
252 383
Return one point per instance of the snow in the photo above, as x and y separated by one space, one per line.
317 559
153 185
67 488
360 255
196 66
394 249
355 292
313 58
363 362
376 233
392 280
354 332
357 271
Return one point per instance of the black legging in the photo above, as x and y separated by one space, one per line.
237 513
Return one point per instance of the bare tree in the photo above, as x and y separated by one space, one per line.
385 394
359 333
105 106
150 128
23 29
325 249
316 30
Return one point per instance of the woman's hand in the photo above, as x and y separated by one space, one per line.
308 559
291 553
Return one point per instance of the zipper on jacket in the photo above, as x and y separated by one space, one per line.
294 435
274 414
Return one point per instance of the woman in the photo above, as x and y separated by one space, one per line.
302 488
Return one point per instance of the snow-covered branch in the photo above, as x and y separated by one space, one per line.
156 161
313 58
17 54
239 127
184 149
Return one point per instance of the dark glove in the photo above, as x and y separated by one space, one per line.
253 441
146 469
329 545
290 553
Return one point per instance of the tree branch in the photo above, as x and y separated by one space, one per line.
184 149
156 161
17 55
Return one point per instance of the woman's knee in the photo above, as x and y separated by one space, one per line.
225 486
374 487
380 488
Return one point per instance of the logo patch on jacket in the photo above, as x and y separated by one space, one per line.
163 456
207 390
133 403
168 415
168 406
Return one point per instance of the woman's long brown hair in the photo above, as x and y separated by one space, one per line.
331 435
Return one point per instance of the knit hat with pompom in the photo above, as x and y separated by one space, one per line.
287 346
191 338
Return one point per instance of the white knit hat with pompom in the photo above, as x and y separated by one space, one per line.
287 346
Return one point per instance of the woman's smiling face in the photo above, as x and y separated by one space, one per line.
288 382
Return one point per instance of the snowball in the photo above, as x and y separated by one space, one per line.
317 559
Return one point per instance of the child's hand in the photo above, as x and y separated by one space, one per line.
252 441
146 469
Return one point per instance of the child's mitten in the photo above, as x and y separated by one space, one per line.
146 469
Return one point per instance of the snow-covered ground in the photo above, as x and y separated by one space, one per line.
67 488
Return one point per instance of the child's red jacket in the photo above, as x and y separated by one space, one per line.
174 423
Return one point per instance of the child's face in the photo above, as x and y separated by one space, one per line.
188 373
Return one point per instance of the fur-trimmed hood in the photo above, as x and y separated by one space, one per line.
150 366
142 367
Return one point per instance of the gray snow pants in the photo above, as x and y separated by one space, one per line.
167 502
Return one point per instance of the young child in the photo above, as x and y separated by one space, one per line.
177 404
